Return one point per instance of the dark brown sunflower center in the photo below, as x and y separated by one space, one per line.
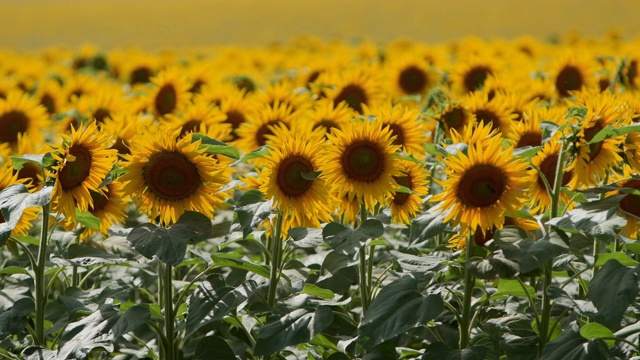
313 76
632 73
166 100
189 127
569 79
76 170
264 130
589 133
401 197
488 117
171 175
454 118
235 118
30 171
3 95
474 78
121 145
289 175
354 95
412 80
482 186
101 114
603 84
519 116
12 123
548 168
99 200
140 75
326 124
363 161
530 138
631 202
47 101
196 87
398 132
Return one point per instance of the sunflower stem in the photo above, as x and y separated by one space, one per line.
364 282
465 325
75 278
167 294
276 259
41 296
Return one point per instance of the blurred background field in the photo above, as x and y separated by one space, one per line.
157 24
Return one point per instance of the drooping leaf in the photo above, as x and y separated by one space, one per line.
82 255
572 346
598 331
38 353
530 255
493 266
426 226
514 288
612 290
609 131
588 215
421 263
213 347
442 351
15 319
14 199
240 264
621 257
213 146
213 300
305 237
399 306
347 241
87 219
292 328
251 210
315 290
19 161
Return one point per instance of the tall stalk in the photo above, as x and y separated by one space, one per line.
276 260
40 285
365 291
469 280
167 303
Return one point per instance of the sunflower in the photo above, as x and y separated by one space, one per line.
79 85
304 202
405 125
49 94
360 162
8 178
30 173
170 93
493 112
404 206
253 133
84 161
573 73
196 116
325 116
409 75
546 162
470 76
232 102
593 161
630 208
631 148
454 116
20 114
482 184
284 93
168 177
123 128
481 238
528 132
357 87
104 104
108 205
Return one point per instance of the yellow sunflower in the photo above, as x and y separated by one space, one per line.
454 116
49 94
325 116
409 75
358 86
8 178
573 72
470 75
109 205
122 128
631 148
630 208
293 157
253 133
168 177
528 131
104 104
20 114
284 93
360 162
593 161
404 206
30 173
405 124
200 114
546 160
482 185
170 93
84 161
493 112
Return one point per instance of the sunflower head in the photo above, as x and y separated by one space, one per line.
404 205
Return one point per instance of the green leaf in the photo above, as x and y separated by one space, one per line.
213 300
293 328
612 290
170 245
579 111
426 226
255 154
442 351
314 175
15 319
527 151
588 215
87 219
306 238
571 346
38 353
14 199
415 263
399 307
11 270
621 257
518 246
609 131
82 255
315 290
494 266
513 288
213 347
240 264
133 317
598 331
213 146
19 161
251 210
347 241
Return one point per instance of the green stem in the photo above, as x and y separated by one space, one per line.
167 292
41 296
276 260
365 295
75 277
465 324
32 260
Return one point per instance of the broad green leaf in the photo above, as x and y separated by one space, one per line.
609 131
518 246
213 146
314 175
251 210
87 219
11 270
15 319
14 199
213 347
315 290
420 263
213 300
426 226
442 351
255 154
240 264
399 307
86 334
305 237
527 151
19 161
588 215
513 288
347 241
293 328
494 266
553 324
38 353
81 255
571 346
621 257
170 245
130 320
612 290
598 331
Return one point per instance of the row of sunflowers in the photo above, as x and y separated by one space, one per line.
414 149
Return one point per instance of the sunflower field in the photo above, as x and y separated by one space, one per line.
322 199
